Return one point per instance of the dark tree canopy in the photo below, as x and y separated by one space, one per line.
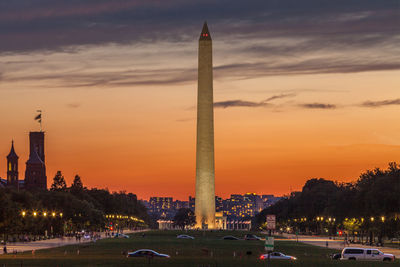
85 210
374 195
77 185
59 183
184 217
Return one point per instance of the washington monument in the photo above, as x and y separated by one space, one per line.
205 184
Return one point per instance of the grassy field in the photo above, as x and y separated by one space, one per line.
207 250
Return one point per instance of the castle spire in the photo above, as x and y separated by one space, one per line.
12 154
12 167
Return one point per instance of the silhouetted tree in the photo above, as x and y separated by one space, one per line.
369 206
77 185
184 217
59 183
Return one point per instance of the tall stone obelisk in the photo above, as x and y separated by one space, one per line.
205 184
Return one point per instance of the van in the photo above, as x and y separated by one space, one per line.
353 253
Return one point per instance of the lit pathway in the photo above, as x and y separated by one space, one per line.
50 243
335 244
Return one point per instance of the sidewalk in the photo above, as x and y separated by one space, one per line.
51 243
335 244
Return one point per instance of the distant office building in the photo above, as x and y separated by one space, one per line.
178 204
232 213
161 207
192 201
218 205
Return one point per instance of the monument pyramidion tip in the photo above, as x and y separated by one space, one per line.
205 33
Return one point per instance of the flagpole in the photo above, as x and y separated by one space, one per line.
40 119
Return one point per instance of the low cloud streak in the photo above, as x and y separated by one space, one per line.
239 103
382 103
318 106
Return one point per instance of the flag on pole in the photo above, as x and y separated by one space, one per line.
38 117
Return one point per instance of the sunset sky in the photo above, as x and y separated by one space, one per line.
302 89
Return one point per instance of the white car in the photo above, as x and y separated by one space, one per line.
185 237
146 253
118 235
86 236
277 256
353 253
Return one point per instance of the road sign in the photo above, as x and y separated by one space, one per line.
269 243
271 222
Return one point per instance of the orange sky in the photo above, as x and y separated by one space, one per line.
114 138
308 92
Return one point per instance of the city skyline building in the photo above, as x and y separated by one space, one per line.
205 173
235 207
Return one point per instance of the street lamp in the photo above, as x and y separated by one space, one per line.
23 213
34 213
44 214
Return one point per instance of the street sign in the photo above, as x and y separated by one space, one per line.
269 243
271 222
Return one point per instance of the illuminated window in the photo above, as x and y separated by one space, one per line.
9 166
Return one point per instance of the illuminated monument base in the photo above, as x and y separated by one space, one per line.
205 184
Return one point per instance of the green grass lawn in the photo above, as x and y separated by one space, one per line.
207 250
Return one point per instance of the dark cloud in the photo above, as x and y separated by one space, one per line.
318 106
52 24
113 78
279 96
73 105
376 104
175 76
274 37
314 66
239 103
243 103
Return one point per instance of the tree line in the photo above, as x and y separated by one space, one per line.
368 207
62 210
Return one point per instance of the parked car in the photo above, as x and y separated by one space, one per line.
185 237
230 237
251 237
86 236
277 256
118 235
146 253
353 253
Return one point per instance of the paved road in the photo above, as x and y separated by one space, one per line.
50 243
335 244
